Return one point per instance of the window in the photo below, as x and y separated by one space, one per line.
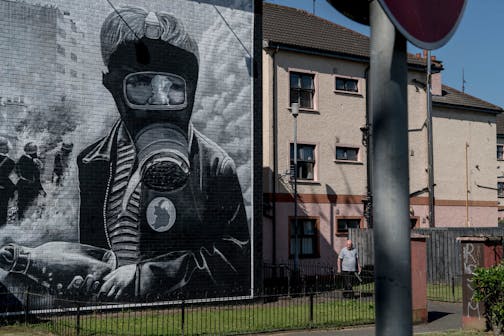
305 161
345 223
347 153
307 237
347 84
73 57
73 73
302 89
500 189
500 152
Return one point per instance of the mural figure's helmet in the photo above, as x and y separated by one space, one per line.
30 148
153 67
153 73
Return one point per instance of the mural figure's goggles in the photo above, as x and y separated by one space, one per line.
155 91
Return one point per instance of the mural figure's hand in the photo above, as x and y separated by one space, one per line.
6 257
118 282
83 286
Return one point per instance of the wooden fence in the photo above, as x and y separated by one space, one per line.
444 260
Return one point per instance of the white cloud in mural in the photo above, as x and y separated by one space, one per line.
223 110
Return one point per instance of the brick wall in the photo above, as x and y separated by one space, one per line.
53 95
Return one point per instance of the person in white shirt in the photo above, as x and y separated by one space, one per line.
348 264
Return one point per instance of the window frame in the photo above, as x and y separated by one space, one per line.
501 146
345 233
315 159
315 89
359 154
499 194
357 79
316 237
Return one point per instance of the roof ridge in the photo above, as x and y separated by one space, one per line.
497 107
354 35
317 17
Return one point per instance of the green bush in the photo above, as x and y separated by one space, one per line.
488 284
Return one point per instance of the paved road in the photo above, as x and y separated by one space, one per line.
442 316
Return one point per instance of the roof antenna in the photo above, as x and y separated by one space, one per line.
463 81
314 6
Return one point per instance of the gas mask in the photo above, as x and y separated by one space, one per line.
155 101
162 146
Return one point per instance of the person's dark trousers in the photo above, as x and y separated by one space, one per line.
26 196
347 283
4 203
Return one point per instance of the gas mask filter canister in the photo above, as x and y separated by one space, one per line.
163 157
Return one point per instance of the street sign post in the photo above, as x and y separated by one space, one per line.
388 103
428 24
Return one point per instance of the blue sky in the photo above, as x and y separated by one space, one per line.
476 48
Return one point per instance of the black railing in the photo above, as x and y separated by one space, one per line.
217 316
315 277
448 289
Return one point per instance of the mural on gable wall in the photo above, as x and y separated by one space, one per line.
126 149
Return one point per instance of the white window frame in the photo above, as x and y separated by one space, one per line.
345 233
315 89
502 151
499 193
315 159
359 85
359 154
315 238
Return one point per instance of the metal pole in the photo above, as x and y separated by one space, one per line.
295 112
430 145
389 112
467 183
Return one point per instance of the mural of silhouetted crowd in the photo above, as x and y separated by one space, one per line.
19 196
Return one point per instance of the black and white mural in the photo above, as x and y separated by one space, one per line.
126 135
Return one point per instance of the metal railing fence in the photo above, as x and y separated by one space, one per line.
215 316
313 277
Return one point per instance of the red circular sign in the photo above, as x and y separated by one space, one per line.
428 24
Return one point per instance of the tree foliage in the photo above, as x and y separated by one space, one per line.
488 285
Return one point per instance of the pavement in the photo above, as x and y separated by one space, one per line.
443 316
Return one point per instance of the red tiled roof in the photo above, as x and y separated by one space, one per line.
296 27
299 28
455 97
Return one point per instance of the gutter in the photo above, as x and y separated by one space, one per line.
335 54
